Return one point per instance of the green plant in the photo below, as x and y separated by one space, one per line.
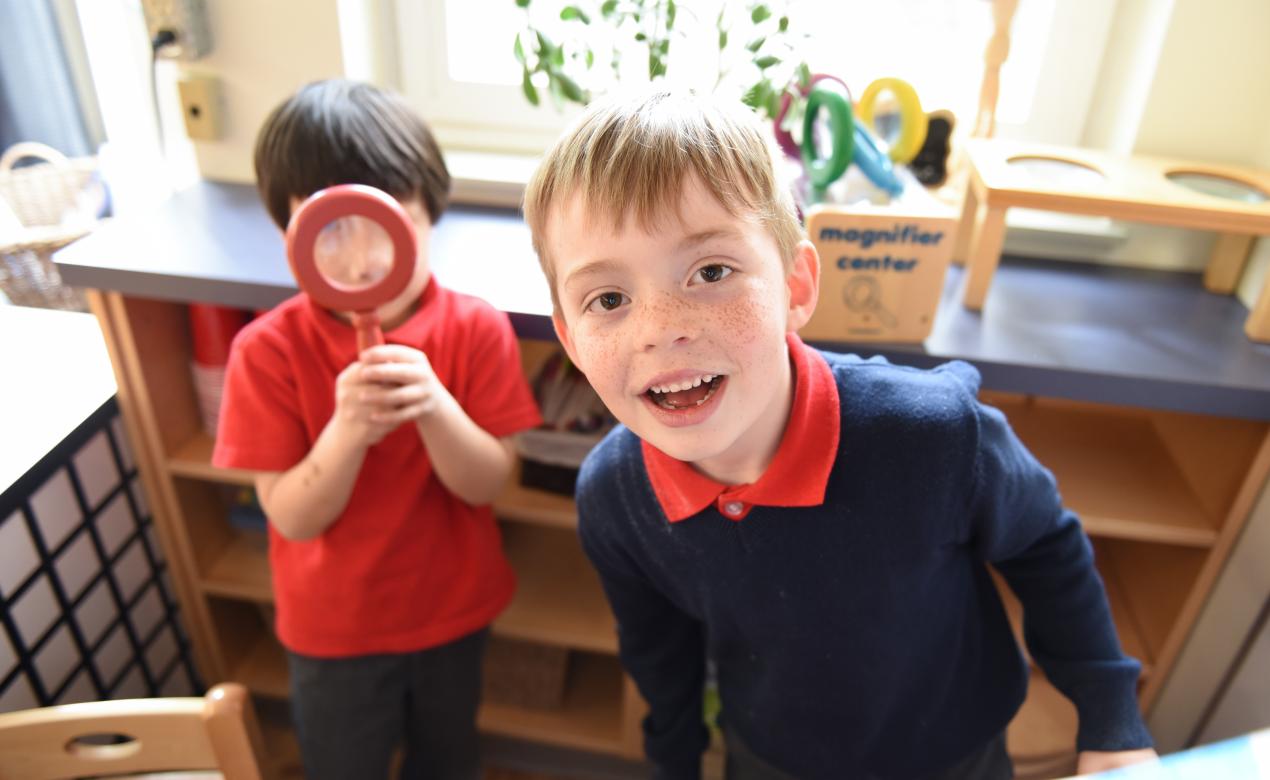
757 53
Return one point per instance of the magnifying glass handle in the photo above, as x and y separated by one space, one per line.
368 332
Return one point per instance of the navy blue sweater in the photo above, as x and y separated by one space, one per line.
862 637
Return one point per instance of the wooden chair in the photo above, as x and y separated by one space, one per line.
216 732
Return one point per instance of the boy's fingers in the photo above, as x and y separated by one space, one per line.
394 396
390 353
399 373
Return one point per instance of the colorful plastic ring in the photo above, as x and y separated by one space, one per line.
784 139
821 171
913 119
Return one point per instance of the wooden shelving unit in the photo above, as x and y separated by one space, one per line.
1162 494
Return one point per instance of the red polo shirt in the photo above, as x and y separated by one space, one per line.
797 475
407 565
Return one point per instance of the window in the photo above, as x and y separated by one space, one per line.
457 64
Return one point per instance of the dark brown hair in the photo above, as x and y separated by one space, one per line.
347 132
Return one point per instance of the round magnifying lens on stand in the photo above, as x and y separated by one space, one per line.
352 248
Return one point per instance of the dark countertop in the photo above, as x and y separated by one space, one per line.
1113 335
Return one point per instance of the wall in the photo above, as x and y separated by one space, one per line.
1209 98
1182 78
261 52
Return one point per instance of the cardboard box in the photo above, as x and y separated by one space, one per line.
881 271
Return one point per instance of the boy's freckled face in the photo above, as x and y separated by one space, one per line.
681 330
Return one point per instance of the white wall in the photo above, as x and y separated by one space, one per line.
261 53
1210 98
1187 79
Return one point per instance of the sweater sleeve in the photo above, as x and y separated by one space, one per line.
661 647
1021 527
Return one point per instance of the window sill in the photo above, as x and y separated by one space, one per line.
497 179
489 178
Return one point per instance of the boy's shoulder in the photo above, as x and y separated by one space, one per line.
617 457
275 330
463 309
876 388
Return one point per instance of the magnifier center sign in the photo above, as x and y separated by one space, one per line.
876 252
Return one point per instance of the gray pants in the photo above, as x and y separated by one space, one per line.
989 762
352 713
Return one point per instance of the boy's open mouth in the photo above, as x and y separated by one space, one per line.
687 394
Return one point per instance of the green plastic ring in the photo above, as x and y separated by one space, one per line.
822 172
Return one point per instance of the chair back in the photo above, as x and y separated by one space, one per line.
216 732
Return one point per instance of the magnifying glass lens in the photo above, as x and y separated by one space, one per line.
353 253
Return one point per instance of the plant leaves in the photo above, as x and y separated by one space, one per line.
764 63
557 90
571 89
522 3
545 46
573 12
527 86
784 24
757 43
723 39
755 96
607 8
519 51
671 10
656 65
804 76
760 13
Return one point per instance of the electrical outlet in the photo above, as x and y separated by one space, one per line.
185 19
200 106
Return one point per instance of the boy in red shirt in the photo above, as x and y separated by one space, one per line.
377 469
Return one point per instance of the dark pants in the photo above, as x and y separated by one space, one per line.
353 713
989 762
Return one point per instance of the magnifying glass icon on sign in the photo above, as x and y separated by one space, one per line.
352 248
863 295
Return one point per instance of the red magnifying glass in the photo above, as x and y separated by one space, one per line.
352 248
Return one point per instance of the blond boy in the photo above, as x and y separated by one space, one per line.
819 525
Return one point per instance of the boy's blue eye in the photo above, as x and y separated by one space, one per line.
607 301
714 273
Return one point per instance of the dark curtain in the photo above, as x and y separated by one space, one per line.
38 97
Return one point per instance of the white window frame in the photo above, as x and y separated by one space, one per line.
461 113
462 117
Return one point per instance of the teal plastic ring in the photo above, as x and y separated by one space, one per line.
820 171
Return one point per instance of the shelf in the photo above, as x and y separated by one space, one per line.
1044 730
1114 471
1155 581
263 667
1126 626
558 600
241 570
539 507
193 459
589 718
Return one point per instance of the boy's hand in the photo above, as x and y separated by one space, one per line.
1093 761
402 384
354 412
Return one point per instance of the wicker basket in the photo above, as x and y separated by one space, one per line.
524 674
43 208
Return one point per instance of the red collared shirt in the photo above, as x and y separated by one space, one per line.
797 475
408 565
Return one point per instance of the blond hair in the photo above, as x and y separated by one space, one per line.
635 155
